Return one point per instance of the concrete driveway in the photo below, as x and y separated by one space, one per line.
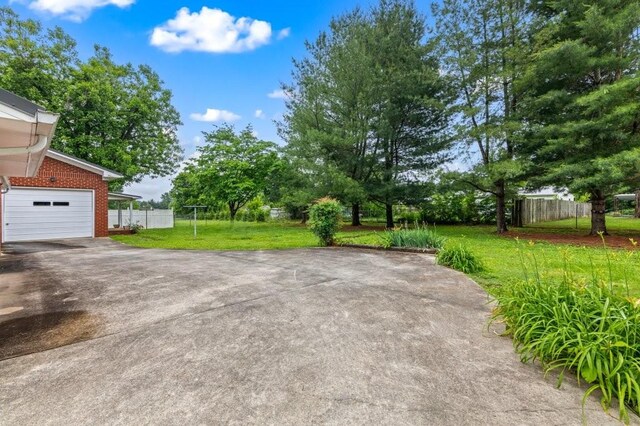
115 335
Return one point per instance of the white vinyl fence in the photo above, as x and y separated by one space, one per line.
149 219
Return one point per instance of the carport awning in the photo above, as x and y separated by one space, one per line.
26 130
118 196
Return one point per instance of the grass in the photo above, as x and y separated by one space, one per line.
502 265
223 235
615 225
459 257
420 237
499 257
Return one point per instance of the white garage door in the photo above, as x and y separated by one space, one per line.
46 214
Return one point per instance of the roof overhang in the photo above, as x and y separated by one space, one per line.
117 196
106 174
26 131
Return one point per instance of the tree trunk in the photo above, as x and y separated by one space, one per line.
501 209
598 222
389 210
355 214
637 215
232 212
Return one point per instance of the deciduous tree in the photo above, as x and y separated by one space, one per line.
232 167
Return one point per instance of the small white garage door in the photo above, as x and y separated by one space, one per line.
46 214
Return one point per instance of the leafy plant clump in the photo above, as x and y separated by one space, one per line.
415 238
460 258
582 328
324 219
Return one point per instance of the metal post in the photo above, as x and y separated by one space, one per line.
195 219
576 215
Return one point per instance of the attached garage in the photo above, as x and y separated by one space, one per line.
68 198
46 214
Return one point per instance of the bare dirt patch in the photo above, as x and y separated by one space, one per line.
615 241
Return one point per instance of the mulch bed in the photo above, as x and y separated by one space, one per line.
615 241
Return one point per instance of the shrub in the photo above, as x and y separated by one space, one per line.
408 217
262 215
451 207
459 257
324 219
135 227
418 238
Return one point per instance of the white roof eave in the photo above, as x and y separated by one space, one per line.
107 175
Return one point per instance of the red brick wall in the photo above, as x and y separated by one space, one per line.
72 177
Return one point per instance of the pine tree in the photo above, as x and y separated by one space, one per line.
583 98
484 45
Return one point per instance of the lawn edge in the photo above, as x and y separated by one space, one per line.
380 248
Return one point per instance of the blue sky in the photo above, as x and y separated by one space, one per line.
218 65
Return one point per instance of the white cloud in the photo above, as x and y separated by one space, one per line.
213 31
284 33
149 188
260 114
214 115
75 10
279 94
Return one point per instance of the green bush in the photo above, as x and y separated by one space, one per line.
586 329
456 207
417 238
261 215
409 217
459 257
324 219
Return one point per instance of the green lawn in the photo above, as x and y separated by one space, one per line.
501 256
221 235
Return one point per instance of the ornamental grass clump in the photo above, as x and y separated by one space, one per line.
420 237
459 257
582 327
324 219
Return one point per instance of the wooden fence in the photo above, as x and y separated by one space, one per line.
533 210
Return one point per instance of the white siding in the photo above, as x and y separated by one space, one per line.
24 221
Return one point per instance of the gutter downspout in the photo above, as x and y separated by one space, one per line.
5 184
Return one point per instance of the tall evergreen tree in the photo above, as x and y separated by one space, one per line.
583 107
327 126
367 107
484 45
410 104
